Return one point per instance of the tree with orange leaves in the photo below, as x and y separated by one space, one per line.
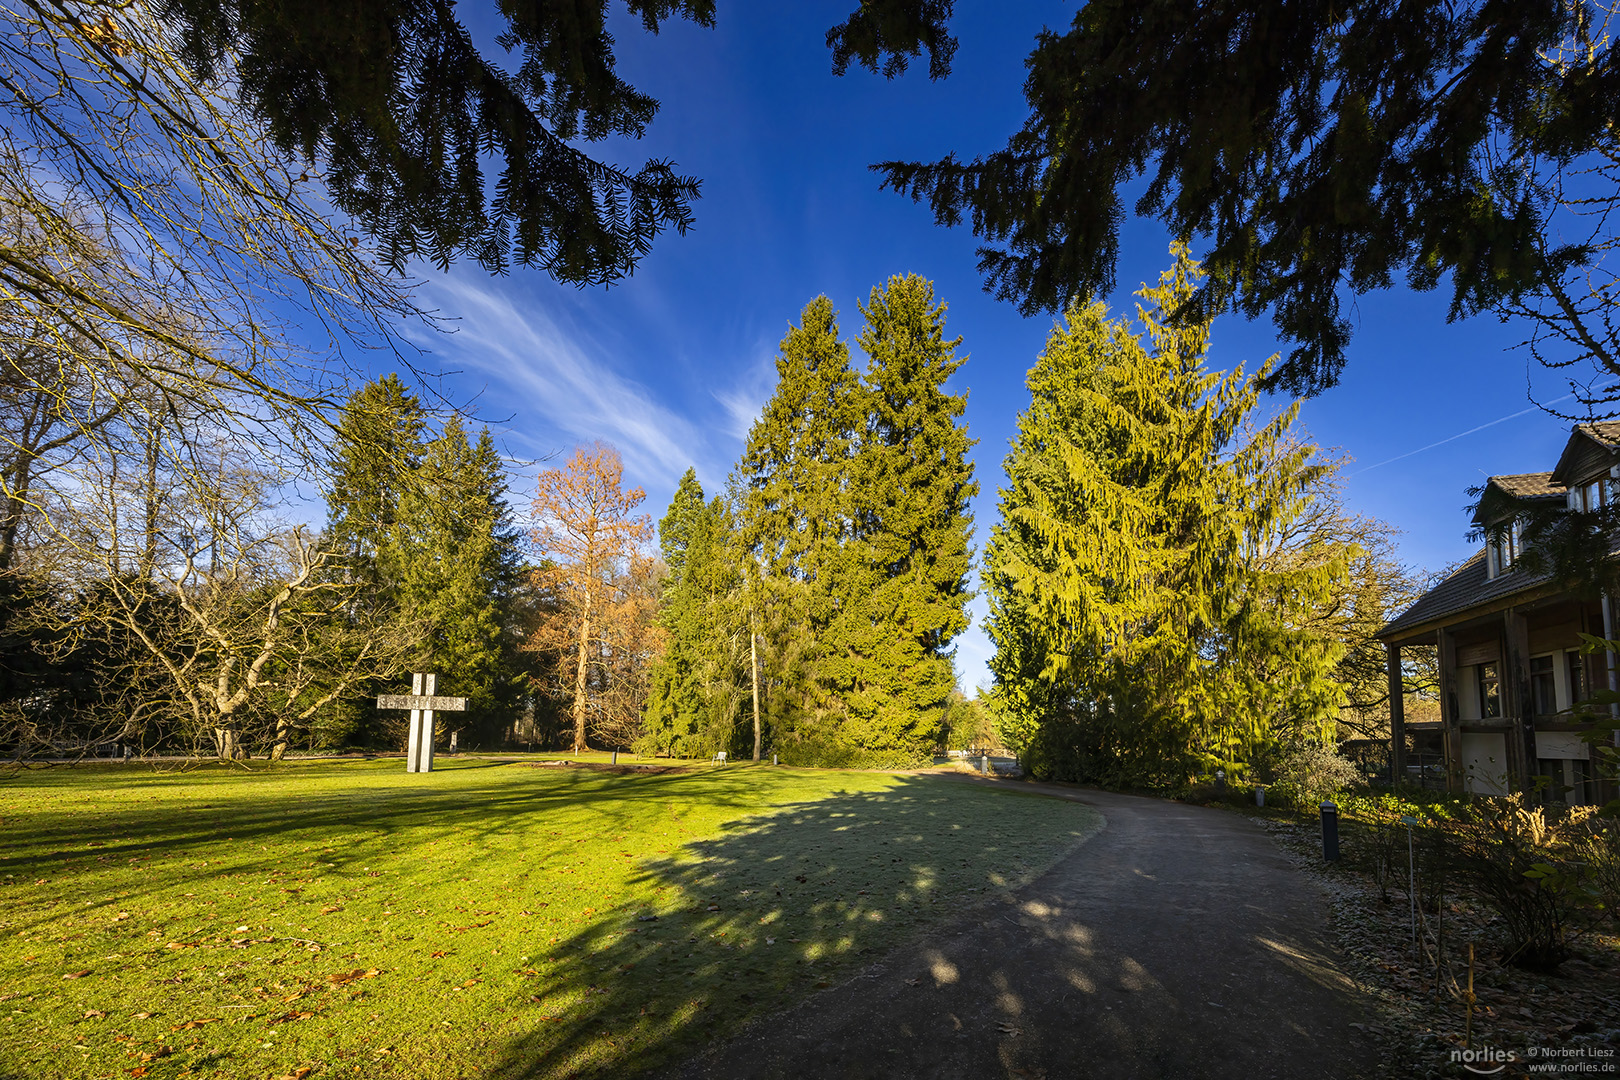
601 580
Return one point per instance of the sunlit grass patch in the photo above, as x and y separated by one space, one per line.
354 920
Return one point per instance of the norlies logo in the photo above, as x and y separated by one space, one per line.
1487 1061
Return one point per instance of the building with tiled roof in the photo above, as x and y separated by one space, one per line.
1508 641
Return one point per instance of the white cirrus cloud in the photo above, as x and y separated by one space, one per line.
556 386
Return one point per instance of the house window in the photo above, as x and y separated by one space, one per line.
1543 686
1507 548
1577 677
1567 779
1592 495
1490 694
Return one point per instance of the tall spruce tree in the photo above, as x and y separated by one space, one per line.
695 689
1150 578
901 576
794 518
454 553
378 446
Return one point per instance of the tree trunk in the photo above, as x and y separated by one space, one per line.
579 686
278 749
753 657
149 526
10 521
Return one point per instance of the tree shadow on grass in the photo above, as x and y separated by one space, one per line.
848 875
777 908
342 829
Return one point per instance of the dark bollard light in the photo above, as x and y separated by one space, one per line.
1330 832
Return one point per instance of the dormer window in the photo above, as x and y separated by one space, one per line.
1594 494
1507 505
1504 551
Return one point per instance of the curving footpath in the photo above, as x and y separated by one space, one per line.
1177 943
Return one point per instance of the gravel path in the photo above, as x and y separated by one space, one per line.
1176 943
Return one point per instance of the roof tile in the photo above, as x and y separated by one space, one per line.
1530 485
1606 432
1463 588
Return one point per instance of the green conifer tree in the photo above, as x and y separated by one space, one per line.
901 575
794 517
454 552
693 687
378 447
1150 574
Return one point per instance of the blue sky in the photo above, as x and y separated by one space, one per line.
673 364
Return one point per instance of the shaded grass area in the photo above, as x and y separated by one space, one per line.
350 919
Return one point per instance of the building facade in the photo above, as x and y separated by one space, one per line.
1508 643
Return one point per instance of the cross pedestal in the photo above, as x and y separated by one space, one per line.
423 704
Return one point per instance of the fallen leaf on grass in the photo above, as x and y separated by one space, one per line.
350 976
160 1052
77 974
290 1017
121 916
329 908
139 1070
469 982
181 945
140 1016
296 1074
94 1014
439 955
191 1025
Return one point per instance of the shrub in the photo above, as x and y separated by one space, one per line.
1532 872
1307 773
1599 850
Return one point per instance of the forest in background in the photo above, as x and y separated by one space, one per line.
1173 583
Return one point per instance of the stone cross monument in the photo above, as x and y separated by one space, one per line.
422 704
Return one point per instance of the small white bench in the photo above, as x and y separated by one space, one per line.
718 759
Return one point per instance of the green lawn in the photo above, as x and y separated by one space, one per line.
350 919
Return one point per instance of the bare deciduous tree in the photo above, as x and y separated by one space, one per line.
602 584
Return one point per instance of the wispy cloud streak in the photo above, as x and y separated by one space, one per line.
554 388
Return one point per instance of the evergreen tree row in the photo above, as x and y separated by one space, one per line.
811 612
